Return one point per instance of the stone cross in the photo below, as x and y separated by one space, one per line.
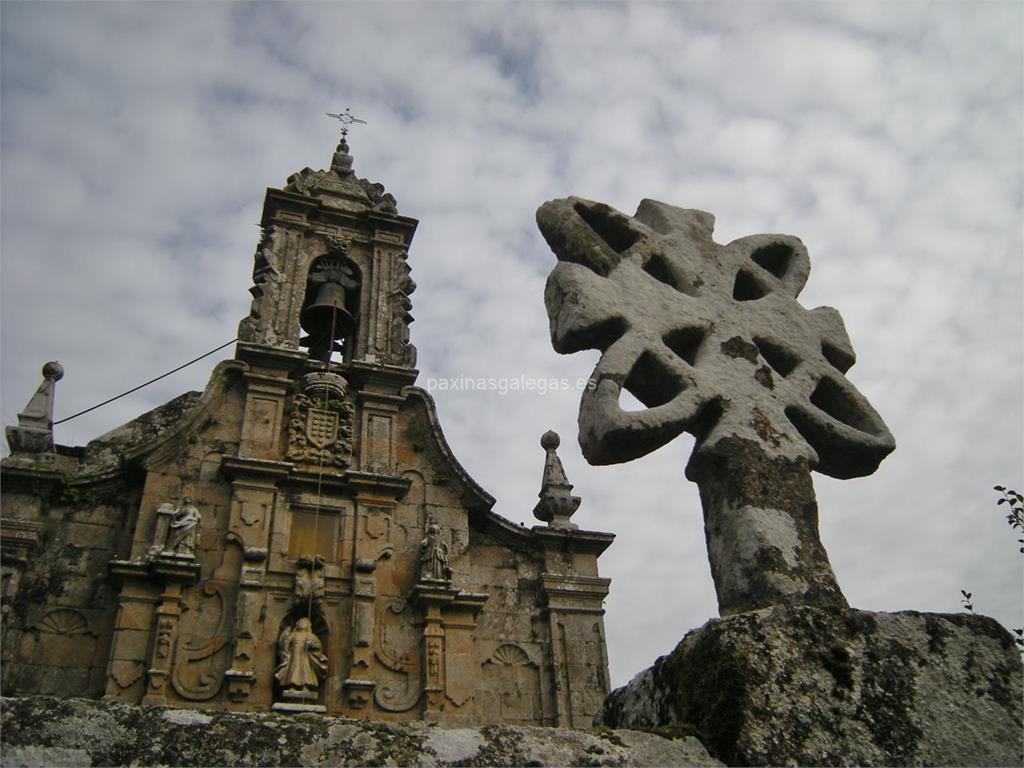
346 119
711 339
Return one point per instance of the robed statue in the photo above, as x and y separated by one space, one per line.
434 556
184 529
301 662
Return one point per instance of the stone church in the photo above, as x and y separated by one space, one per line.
299 536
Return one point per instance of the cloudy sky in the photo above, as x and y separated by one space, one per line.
138 139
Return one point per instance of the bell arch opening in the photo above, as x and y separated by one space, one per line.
330 309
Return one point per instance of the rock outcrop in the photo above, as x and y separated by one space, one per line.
44 731
819 686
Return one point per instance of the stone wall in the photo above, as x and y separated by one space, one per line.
42 731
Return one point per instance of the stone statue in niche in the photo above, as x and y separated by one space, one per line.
302 664
184 529
434 556
176 533
712 340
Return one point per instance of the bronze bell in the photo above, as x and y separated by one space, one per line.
326 320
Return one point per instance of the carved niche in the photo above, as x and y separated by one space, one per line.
320 423
510 687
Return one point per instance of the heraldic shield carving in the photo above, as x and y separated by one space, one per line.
320 424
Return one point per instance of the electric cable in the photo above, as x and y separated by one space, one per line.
136 389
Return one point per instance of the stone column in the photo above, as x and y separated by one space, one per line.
761 526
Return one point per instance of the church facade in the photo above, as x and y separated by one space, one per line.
299 536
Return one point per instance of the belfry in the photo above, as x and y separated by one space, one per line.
299 536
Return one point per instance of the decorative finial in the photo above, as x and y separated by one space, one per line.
34 433
346 119
557 504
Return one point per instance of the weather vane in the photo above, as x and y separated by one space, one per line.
346 119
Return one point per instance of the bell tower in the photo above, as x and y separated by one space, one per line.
330 272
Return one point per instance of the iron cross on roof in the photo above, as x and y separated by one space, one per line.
346 119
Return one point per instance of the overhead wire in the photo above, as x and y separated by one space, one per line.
151 381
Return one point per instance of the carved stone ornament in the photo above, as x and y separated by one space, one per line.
402 351
309 579
557 504
176 533
339 187
34 433
320 423
339 243
203 645
267 279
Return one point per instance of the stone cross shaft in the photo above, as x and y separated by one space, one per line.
711 339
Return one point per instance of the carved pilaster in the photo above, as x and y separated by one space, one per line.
176 576
372 528
433 651
449 620
575 611
248 615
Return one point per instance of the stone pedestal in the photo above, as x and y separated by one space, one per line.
827 686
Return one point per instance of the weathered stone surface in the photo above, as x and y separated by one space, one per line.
712 340
42 731
710 337
813 686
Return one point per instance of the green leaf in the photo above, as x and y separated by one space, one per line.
999 488
1001 501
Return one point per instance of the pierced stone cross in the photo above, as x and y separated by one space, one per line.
711 339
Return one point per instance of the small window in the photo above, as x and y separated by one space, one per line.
314 534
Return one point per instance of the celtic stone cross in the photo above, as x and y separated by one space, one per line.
711 339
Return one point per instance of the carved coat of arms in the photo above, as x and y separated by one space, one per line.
320 423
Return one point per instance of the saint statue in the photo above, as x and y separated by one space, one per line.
434 556
302 664
184 529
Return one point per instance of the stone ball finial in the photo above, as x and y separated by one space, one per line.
550 440
53 371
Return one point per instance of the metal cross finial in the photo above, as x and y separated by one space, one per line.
346 118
